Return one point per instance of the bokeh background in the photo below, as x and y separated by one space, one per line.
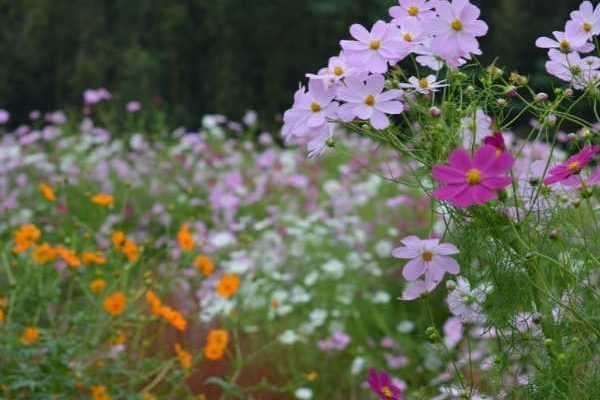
194 57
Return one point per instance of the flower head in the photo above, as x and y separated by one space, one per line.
30 335
467 181
381 384
427 257
564 43
423 85
366 99
337 69
572 166
228 285
372 51
185 358
419 10
185 238
103 199
585 22
205 265
47 191
115 303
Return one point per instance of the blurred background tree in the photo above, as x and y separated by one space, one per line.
206 56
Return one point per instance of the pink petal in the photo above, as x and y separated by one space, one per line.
390 107
450 192
414 269
460 160
446 174
484 157
360 33
446 249
546 43
406 252
379 120
495 183
449 264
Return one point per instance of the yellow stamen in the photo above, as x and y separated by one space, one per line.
574 166
338 71
427 256
423 83
413 11
407 37
375 45
315 107
370 100
387 392
457 25
587 26
473 176
565 46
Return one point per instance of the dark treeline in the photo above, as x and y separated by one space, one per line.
203 56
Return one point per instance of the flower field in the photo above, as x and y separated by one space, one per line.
438 239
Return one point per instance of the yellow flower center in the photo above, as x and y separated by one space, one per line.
375 45
370 100
473 176
338 71
457 25
574 166
407 37
423 83
315 107
387 392
565 46
587 26
413 11
427 256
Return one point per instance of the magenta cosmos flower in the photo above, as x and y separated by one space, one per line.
467 181
371 51
365 99
456 29
381 384
572 166
427 257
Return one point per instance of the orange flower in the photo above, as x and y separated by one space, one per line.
218 337
118 239
98 392
103 199
205 265
25 237
93 257
185 238
30 335
47 192
228 285
131 251
97 285
115 303
1 316
69 257
185 358
154 302
213 353
44 254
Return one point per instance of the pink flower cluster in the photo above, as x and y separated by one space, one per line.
352 86
565 48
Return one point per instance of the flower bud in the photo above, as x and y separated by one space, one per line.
432 334
501 102
541 97
450 284
553 234
569 92
435 112
551 120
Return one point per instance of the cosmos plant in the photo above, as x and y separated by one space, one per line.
511 175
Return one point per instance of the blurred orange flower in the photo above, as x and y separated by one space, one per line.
205 265
25 237
98 392
185 358
93 257
185 238
68 256
47 192
103 199
30 335
44 254
97 285
115 303
228 285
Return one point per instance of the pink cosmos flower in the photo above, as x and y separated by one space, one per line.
564 43
382 385
585 22
416 289
424 85
456 30
367 100
496 140
466 182
411 34
580 72
466 303
310 111
427 257
580 182
4 117
336 70
371 51
572 166
133 106
412 9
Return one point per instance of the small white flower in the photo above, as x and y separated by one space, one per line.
303 393
381 297
335 268
288 337
424 85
